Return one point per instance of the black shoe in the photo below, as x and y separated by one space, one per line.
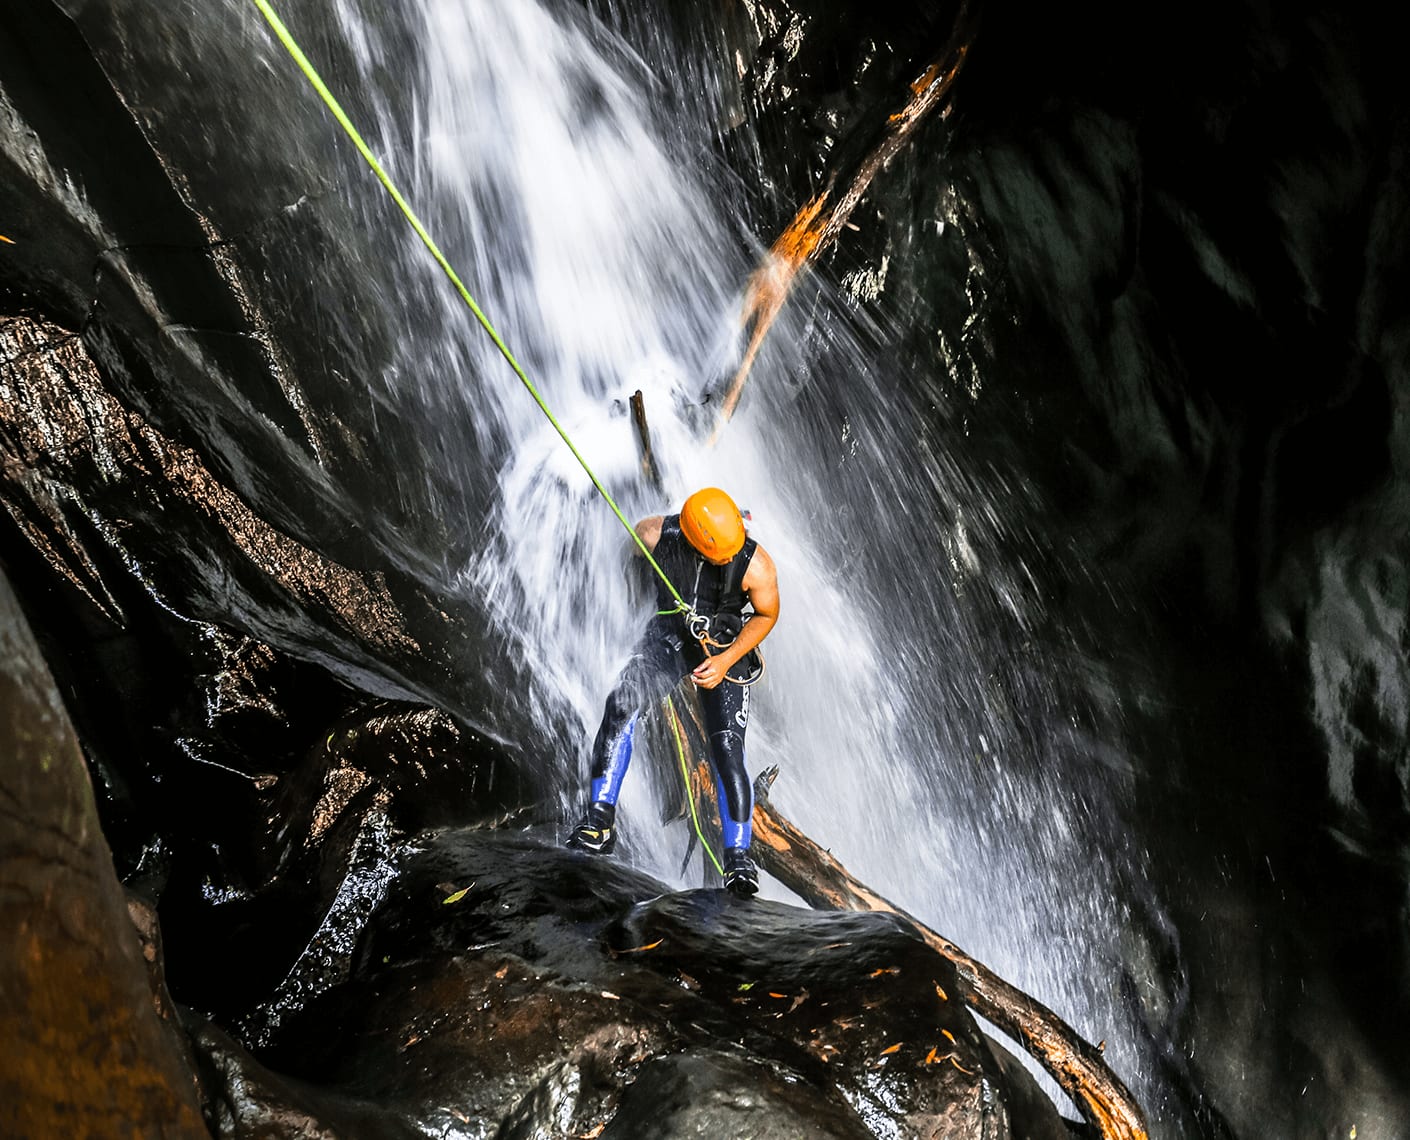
741 877
595 832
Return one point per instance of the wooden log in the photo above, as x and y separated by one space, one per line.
1078 1067
648 460
820 880
823 216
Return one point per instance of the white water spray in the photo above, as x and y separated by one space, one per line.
605 255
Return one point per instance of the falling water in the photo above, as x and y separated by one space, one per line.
923 731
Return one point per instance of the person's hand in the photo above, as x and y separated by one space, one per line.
711 671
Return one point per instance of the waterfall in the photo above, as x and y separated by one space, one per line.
927 728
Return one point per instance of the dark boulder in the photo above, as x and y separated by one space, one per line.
508 984
88 1050
248 1102
318 853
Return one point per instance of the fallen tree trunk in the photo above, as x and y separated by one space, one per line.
816 877
823 216
824 883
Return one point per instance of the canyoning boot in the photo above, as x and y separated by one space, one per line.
741 876
595 831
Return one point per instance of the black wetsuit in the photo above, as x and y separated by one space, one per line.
667 653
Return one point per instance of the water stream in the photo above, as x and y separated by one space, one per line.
928 729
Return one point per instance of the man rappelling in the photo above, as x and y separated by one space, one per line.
719 570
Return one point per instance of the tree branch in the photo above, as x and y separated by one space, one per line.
822 217
648 460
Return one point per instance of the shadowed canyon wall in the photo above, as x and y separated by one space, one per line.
1146 277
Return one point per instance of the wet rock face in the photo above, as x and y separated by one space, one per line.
1173 243
127 542
157 408
89 1047
255 937
1153 273
511 985
247 1101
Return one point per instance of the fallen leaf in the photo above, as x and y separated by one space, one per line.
943 995
885 970
639 949
930 1057
957 1065
772 994
892 1048
610 994
746 986
950 1037
6 240
455 898
502 971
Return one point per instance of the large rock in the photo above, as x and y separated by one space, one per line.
1150 277
160 402
87 1050
506 986
248 1102
260 928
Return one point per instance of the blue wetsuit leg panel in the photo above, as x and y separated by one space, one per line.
617 750
726 712
656 664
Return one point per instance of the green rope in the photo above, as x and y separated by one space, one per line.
689 795
318 85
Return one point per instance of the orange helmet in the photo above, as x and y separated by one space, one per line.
712 524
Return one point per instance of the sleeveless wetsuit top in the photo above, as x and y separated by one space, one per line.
709 588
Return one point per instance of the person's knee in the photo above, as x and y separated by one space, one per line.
621 706
728 749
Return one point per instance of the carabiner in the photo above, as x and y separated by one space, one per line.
699 626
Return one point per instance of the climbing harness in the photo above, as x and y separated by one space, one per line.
702 629
706 628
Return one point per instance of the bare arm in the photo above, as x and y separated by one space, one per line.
649 531
761 585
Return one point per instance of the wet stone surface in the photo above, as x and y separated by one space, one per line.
1164 274
89 1045
246 948
506 983
245 1100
